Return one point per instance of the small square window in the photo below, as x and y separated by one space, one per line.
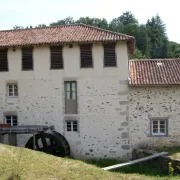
72 126
11 120
12 90
159 127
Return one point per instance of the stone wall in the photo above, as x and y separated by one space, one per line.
102 100
154 102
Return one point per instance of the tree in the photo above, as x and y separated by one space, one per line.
156 31
97 22
29 27
18 27
41 26
143 41
174 50
137 55
126 23
68 20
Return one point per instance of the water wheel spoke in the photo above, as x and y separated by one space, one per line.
44 142
36 144
52 141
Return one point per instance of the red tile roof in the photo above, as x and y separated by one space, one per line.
154 72
65 34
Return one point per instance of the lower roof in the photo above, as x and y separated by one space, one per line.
147 72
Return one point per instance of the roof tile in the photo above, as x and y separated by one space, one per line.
154 72
77 33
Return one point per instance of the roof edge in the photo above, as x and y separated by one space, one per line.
113 32
48 27
146 60
78 24
153 85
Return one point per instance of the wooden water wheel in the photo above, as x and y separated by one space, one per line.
50 142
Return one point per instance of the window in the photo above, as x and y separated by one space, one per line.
72 126
109 55
159 127
3 60
27 58
56 57
11 120
86 55
70 97
12 90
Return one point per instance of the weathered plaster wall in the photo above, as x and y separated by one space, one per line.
147 102
102 99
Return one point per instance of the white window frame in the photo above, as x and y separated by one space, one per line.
72 123
159 133
12 119
13 90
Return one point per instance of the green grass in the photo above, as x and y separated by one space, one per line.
32 165
174 152
137 168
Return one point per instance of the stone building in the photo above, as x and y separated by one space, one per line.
74 77
79 79
154 103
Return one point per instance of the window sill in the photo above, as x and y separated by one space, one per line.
57 69
87 67
159 136
12 100
28 70
72 132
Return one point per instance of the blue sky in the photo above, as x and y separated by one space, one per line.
34 12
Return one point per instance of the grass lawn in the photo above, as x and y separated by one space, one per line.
174 152
32 165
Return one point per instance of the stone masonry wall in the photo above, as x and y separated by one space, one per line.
150 102
102 100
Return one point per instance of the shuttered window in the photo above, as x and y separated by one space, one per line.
110 55
86 55
27 58
3 60
56 57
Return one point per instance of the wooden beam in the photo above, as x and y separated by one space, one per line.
135 161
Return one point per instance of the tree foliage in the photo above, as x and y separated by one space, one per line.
174 50
17 27
68 20
151 37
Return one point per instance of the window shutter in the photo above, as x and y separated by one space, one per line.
3 60
56 57
86 55
70 97
27 59
110 55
